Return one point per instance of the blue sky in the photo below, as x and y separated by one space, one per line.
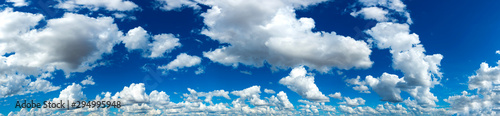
161 57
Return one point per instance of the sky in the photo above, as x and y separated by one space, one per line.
251 57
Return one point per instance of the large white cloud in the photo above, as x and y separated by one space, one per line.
72 43
181 61
259 33
485 102
110 5
303 84
420 70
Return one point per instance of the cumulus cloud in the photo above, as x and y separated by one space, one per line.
353 102
168 5
270 33
408 56
18 3
94 5
72 43
88 81
485 102
138 39
183 60
359 85
384 86
373 9
269 91
374 13
303 84
72 93
337 95
163 43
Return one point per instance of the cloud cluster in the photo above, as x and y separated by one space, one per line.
485 82
94 5
303 84
181 61
408 55
18 3
168 5
72 43
138 39
270 33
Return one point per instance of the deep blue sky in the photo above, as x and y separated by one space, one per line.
465 32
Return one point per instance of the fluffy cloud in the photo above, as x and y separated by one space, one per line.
182 60
337 95
18 3
353 102
72 93
304 85
485 82
163 43
374 13
168 5
372 9
88 81
252 94
271 33
94 5
193 95
409 57
72 43
18 85
270 91
384 86
138 39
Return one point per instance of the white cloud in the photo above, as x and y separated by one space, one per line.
259 33
94 5
420 70
163 43
285 103
385 87
304 85
397 6
138 39
269 91
337 95
486 83
183 60
88 81
18 3
252 94
200 70
353 102
360 85
193 95
168 5
72 43
374 13
72 93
